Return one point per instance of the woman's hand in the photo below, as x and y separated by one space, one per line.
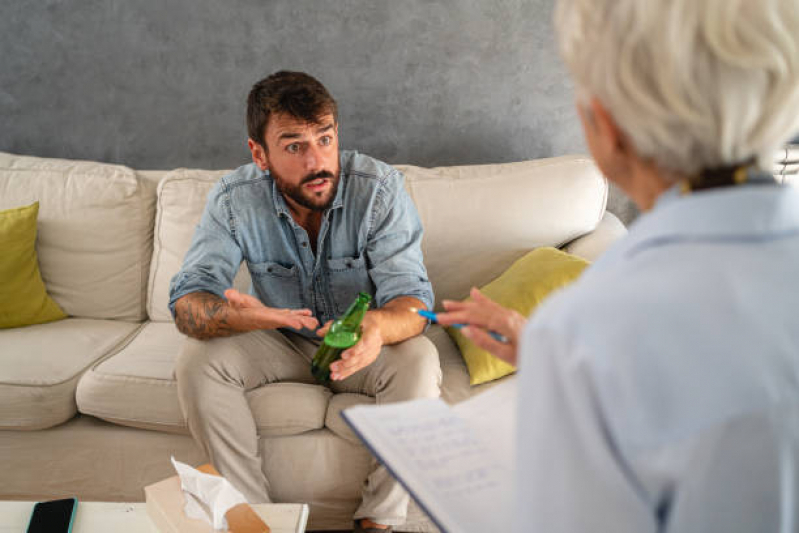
482 315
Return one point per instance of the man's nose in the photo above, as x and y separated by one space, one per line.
313 158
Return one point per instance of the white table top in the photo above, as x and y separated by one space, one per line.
103 517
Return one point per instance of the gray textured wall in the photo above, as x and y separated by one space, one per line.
161 84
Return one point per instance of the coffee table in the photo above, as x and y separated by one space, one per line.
102 517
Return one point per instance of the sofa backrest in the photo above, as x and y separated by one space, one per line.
477 219
182 194
94 231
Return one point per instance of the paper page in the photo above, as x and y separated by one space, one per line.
492 416
456 474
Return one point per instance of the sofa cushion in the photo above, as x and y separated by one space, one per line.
181 199
479 219
136 387
40 366
23 296
523 287
95 231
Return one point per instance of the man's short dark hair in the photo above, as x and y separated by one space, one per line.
294 93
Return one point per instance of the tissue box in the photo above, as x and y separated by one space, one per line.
165 506
166 503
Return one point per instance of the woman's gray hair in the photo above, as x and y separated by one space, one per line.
694 84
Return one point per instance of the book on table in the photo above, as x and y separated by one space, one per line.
456 462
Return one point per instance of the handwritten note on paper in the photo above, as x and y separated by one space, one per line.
448 469
444 447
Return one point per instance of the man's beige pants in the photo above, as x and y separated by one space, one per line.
213 377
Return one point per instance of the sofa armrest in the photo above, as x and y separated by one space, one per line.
591 245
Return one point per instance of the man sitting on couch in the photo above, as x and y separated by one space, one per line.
315 226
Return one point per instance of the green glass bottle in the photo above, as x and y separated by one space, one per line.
343 333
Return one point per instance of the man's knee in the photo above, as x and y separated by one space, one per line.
200 360
421 355
416 365
193 356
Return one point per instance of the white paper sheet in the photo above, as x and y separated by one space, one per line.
457 463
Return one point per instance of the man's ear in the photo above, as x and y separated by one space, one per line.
259 154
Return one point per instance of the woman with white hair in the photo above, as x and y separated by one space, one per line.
660 392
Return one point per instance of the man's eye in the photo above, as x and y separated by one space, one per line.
327 140
293 148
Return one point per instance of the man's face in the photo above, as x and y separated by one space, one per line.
303 159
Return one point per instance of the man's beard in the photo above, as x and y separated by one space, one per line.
312 201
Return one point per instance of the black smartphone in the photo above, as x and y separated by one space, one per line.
53 517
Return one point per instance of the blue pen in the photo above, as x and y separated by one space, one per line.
432 316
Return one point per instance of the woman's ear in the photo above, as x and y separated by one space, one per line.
612 152
612 136
259 154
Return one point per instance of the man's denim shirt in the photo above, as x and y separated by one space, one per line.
369 241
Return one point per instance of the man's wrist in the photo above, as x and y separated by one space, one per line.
372 323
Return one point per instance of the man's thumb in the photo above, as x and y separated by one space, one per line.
233 297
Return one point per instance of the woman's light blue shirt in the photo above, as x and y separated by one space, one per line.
660 391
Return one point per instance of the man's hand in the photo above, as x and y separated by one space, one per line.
390 324
362 354
259 316
483 314
203 315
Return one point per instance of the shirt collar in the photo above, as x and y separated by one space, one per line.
281 207
338 201
740 213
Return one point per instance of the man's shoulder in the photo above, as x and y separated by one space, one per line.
248 174
239 184
356 164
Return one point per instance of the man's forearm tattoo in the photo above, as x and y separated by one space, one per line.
203 316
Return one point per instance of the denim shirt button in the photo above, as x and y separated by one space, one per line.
269 269
305 244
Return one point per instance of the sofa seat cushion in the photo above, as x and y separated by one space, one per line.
40 366
136 387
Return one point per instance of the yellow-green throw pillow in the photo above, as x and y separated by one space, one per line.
522 287
23 297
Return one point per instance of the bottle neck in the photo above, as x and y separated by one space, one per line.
357 310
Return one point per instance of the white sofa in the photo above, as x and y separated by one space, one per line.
88 405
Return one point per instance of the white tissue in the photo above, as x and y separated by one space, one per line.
208 497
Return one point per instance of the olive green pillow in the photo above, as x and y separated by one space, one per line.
23 297
522 287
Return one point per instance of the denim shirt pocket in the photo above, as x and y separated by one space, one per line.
276 285
348 276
